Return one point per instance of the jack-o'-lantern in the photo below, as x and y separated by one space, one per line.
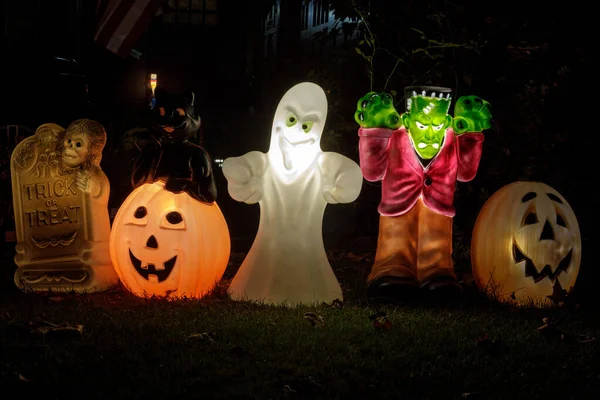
169 244
526 244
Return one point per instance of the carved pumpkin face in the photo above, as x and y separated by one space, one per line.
526 244
168 244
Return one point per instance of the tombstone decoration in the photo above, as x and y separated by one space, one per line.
292 182
418 156
60 197
526 245
169 237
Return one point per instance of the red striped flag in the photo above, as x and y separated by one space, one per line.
123 22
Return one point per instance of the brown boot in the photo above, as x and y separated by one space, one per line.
393 275
435 268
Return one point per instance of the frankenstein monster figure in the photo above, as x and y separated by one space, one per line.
418 156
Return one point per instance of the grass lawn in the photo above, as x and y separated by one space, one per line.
116 345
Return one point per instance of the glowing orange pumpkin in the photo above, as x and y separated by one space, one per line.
168 244
526 244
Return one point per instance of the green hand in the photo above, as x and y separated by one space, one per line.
471 114
377 110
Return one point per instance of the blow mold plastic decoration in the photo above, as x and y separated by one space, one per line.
169 237
292 182
169 244
170 154
526 245
60 197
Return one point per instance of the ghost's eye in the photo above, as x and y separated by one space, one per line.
307 126
420 126
438 127
173 220
291 120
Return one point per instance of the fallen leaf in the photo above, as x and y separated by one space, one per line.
56 299
204 336
288 388
483 340
337 303
63 329
469 395
316 320
550 331
585 339
380 321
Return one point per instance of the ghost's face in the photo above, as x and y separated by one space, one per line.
297 126
76 148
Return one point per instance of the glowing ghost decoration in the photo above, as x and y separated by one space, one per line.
292 183
526 244
169 244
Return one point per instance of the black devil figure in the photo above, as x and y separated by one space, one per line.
170 156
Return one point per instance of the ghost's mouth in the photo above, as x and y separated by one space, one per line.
309 142
546 272
150 272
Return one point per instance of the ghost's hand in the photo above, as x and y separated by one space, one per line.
471 114
341 177
83 180
244 176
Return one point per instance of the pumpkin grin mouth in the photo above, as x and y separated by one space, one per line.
546 272
150 272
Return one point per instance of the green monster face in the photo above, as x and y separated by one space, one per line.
426 118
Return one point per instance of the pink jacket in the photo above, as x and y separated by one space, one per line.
388 156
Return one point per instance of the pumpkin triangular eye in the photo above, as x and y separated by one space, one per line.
560 220
530 219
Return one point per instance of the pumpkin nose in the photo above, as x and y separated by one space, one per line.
152 243
547 232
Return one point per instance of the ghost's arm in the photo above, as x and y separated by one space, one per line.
342 178
245 176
